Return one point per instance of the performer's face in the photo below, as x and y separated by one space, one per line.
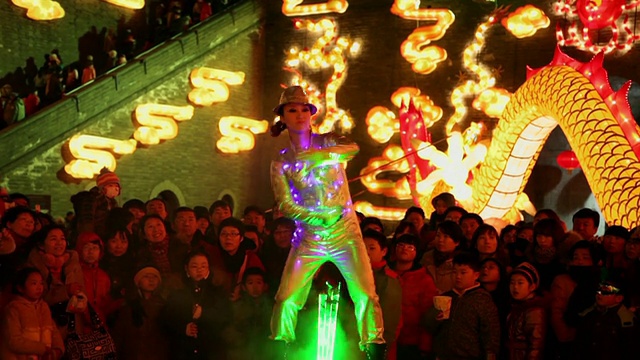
297 117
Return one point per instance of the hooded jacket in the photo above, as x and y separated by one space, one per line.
26 325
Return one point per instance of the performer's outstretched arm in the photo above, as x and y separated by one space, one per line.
339 149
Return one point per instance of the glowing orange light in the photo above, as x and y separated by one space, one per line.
416 49
294 7
452 167
610 164
492 101
583 15
391 161
238 133
383 213
485 81
210 85
129 4
41 9
381 124
430 112
93 153
525 21
329 50
159 122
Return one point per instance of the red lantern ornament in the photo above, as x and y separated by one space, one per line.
568 160
599 14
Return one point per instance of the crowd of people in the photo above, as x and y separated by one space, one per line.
199 283
38 87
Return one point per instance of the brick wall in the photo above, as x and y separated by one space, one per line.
188 165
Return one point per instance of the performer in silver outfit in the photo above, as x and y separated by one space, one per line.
311 187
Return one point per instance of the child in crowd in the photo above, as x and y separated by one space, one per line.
196 314
388 288
97 283
137 332
418 290
472 329
527 321
249 334
28 329
607 330
439 261
118 261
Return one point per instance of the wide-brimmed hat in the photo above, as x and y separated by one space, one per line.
294 94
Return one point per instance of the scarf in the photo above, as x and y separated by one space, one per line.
55 263
160 255
544 255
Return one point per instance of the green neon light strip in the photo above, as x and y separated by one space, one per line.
327 322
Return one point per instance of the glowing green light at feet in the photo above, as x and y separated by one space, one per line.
327 322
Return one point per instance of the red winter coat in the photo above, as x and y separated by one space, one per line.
97 283
418 290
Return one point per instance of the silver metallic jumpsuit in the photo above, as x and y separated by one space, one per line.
315 193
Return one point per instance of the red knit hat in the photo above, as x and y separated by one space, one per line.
107 177
86 238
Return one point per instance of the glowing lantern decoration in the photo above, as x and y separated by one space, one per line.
568 160
238 133
595 15
526 21
328 51
610 162
381 124
210 85
93 153
294 7
159 122
452 167
41 9
492 101
129 4
384 213
599 14
415 49
486 80
392 160
429 111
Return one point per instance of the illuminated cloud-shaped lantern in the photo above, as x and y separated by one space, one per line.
599 14
41 9
525 21
129 4
492 101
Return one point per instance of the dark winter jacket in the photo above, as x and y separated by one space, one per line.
527 327
216 315
137 332
607 334
472 330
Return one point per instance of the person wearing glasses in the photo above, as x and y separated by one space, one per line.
311 187
233 257
608 329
